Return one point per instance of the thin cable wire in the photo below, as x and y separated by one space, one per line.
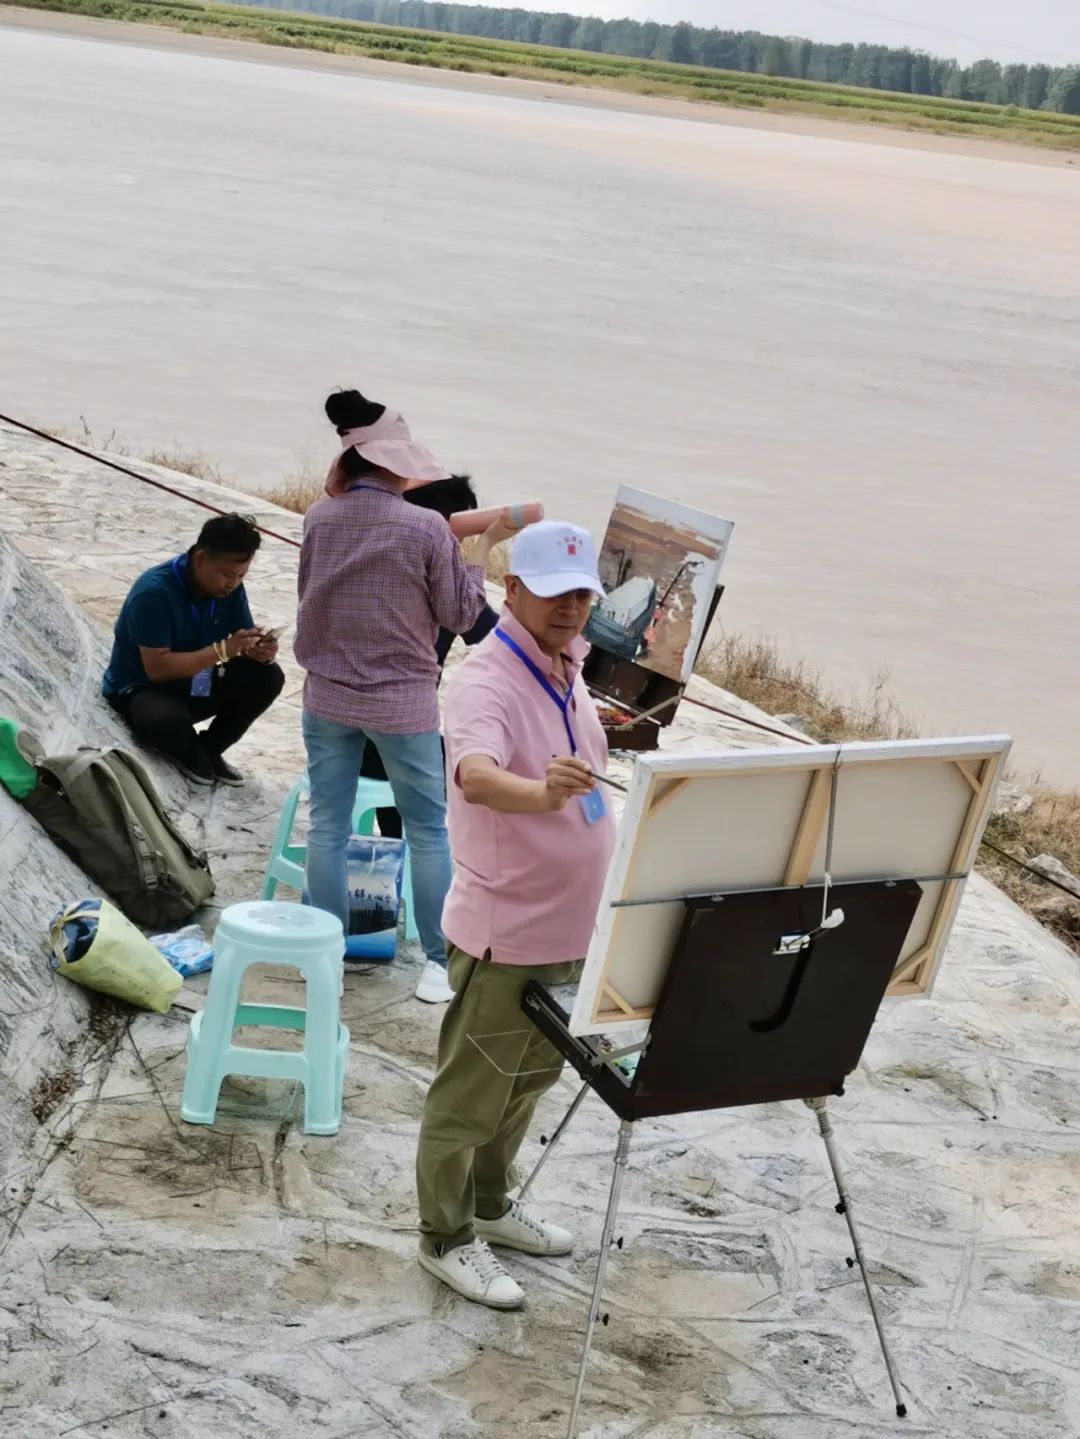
1020 864
135 475
791 737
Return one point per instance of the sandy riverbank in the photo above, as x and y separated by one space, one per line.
248 1280
126 33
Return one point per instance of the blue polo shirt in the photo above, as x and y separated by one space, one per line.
162 611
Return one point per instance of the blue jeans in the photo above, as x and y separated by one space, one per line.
414 767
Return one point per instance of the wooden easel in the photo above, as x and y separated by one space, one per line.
761 1002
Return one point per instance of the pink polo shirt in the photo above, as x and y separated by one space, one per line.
526 886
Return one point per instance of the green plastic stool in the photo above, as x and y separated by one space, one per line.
286 862
306 939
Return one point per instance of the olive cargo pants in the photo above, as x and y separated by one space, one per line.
483 1095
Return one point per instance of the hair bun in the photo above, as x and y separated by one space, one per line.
349 410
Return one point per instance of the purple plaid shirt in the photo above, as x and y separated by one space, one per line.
378 577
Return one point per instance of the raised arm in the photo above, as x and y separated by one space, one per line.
456 574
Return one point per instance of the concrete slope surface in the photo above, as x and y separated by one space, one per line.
248 1281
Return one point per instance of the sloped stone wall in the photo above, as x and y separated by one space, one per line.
52 657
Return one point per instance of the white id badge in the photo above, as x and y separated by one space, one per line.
592 806
201 683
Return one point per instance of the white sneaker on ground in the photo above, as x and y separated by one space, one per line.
434 988
520 1228
472 1271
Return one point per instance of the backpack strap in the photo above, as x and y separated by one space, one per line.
141 774
68 771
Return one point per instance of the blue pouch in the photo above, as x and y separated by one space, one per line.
187 950
374 867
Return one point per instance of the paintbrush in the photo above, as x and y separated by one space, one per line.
634 716
603 779
612 783
646 714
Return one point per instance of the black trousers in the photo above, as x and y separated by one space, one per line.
164 716
389 820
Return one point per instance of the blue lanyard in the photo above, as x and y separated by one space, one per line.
196 613
561 701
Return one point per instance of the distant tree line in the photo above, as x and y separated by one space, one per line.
873 67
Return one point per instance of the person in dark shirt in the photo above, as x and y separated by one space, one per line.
446 497
185 649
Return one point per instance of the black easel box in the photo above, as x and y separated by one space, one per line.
739 1023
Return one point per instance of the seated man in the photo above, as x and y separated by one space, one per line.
185 649
531 839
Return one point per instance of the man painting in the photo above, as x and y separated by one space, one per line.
531 840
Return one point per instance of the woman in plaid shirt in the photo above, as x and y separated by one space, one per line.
378 579
446 497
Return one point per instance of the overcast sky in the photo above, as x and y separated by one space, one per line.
1009 30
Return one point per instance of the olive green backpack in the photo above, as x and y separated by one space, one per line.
100 806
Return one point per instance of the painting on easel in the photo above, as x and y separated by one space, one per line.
660 565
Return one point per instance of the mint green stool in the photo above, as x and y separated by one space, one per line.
260 932
286 862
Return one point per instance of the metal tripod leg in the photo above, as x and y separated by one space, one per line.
844 1208
562 1126
622 1153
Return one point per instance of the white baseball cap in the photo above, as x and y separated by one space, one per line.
552 558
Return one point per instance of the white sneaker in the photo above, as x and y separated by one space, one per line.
434 988
520 1229
472 1271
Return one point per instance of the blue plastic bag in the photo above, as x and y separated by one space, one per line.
374 867
188 950
77 932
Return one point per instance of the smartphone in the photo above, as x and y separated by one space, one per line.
274 634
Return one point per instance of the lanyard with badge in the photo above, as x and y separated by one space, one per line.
592 804
202 682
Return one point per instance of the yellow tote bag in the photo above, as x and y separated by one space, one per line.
120 960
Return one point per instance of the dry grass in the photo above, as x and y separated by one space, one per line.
755 670
50 1092
498 565
185 463
296 492
1050 826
